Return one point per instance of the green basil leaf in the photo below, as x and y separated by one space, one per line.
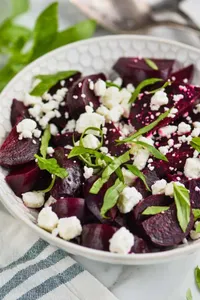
197 276
47 81
51 185
151 64
133 169
111 196
154 210
51 165
80 31
195 143
45 141
110 83
182 201
19 7
142 85
196 213
109 170
189 295
161 88
156 153
145 129
45 31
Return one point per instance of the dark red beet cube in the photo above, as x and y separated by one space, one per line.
18 110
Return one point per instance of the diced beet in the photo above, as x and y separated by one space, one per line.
23 178
163 229
18 110
185 73
95 202
97 236
62 140
68 83
70 186
194 187
80 95
177 177
68 207
112 135
17 152
140 246
134 70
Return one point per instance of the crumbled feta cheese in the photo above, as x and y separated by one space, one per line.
196 153
66 115
89 109
49 106
53 129
89 120
118 81
158 99
169 189
104 150
104 111
50 150
33 199
50 201
25 128
141 158
62 83
47 97
37 133
91 85
128 199
195 132
178 97
196 124
35 111
115 113
69 228
173 113
111 97
159 187
47 219
167 130
170 142
70 126
90 141
122 241
88 172
194 235
31 100
129 177
130 87
183 128
192 168
164 149
100 87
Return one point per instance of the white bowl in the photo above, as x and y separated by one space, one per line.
91 56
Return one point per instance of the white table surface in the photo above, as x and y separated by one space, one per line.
157 282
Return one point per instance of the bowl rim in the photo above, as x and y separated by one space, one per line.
98 255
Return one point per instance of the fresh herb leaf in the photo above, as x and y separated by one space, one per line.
182 201
51 185
108 171
197 227
145 129
189 295
142 85
197 276
93 129
45 141
110 83
167 83
154 210
195 143
47 81
133 169
51 165
111 196
196 213
156 153
19 7
151 64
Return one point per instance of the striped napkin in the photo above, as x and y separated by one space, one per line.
31 269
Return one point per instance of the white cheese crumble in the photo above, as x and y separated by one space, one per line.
50 201
158 99
196 124
118 81
33 199
89 109
167 130
69 228
47 219
159 187
50 150
88 172
173 113
90 141
141 158
53 129
100 87
71 124
192 168
89 120
178 97
26 128
183 128
129 177
130 87
31 100
128 199
104 150
164 149
195 132
122 241
169 189
111 97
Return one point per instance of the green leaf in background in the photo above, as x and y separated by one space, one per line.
45 31
111 196
45 141
19 7
133 169
196 213
156 153
51 165
197 276
151 64
189 295
47 81
195 143
154 210
182 201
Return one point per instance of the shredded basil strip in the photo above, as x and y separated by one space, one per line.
51 165
195 143
45 141
110 83
49 188
197 276
182 201
94 129
156 153
133 169
189 295
154 210
151 64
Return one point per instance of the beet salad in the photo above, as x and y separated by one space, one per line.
110 163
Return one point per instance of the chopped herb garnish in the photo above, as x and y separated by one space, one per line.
195 143
189 294
182 201
196 213
156 153
154 210
51 185
110 83
167 83
51 165
45 141
142 85
197 227
151 64
133 169
93 129
111 196
197 276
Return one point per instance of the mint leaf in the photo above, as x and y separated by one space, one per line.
19 7
142 85
47 81
197 276
51 165
45 141
133 169
156 153
196 213
151 64
45 31
195 143
154 210
189 294
111 196
182 201
108 171
49 188
145 129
